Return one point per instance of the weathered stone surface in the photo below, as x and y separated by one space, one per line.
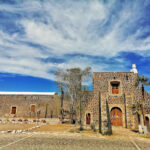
45 106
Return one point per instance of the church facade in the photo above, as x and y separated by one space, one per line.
119 90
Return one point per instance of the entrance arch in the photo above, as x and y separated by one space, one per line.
116 116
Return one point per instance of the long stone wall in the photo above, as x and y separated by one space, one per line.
45 105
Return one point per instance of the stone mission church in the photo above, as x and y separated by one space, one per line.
118 88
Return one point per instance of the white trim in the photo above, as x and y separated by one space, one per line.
27 93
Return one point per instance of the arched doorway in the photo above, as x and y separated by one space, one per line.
88 118
116 116
147 123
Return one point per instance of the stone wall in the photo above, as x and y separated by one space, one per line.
45 105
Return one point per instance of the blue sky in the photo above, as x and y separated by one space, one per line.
39 37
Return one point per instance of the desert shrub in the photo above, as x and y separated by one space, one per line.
20 120
93 127
44 121
81 128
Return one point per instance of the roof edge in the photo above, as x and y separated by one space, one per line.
27 93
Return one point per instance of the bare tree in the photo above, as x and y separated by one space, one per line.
61 88
72 80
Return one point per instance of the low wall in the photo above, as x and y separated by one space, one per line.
30 120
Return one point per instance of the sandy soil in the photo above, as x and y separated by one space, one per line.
11 126
53 128
58 137
67 142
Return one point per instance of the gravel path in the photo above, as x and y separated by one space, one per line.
65 141
58 137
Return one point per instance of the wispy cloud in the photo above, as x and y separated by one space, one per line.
35 35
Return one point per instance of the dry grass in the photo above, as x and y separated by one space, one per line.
118 133
11 126
53 128
126 133
145 136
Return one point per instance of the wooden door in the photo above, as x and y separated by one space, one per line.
88 118
116 117
13 110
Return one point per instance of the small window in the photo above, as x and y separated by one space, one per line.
115 87
32 108
13 110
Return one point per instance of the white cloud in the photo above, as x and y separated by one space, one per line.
72 29
85 27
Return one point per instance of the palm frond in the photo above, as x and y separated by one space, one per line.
142 80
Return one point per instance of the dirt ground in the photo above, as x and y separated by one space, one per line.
11 126
63 137
53 128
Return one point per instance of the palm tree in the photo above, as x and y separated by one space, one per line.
141 80
137 110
